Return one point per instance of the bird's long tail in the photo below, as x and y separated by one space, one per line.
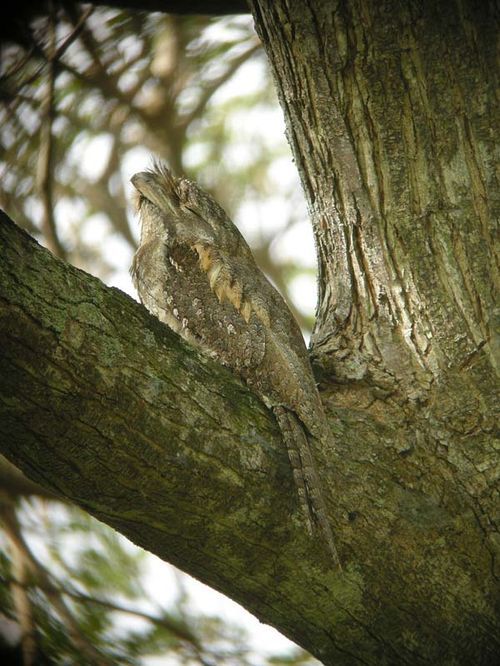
307 482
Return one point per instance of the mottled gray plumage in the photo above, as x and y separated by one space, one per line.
196 273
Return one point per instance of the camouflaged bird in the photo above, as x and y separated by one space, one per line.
196 273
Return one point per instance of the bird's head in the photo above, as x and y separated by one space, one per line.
186 212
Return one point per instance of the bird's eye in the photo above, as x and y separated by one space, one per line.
192 210
138 200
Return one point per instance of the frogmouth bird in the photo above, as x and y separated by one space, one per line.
196 273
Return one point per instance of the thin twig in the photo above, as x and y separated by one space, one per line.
178 629
19 586
100 199
214 85
18 65
44 582
45 166
77 29
36 49
98 73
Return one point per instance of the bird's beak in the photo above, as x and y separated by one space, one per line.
162 195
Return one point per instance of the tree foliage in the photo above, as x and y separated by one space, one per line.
116 85
124 85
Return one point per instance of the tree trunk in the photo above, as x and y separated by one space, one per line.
390 114
392 118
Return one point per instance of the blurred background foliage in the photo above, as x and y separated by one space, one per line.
87 96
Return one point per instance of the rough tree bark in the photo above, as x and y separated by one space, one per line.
390 114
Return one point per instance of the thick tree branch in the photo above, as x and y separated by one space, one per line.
105 406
